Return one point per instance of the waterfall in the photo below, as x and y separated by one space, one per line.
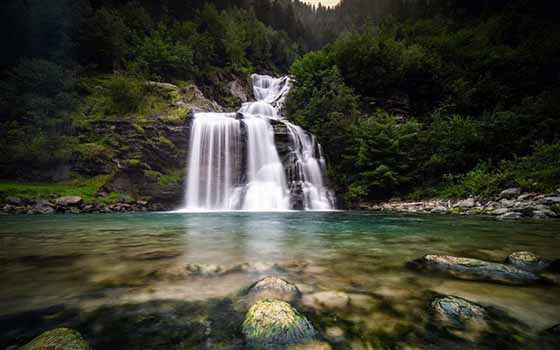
234 163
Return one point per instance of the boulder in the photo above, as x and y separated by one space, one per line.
58 339
68 201
510 193
466 203
527 261
327 300
499 211
274 288
474 269
439 210
460 317
273 324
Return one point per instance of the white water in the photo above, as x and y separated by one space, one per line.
221 175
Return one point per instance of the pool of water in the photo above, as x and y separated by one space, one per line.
120 279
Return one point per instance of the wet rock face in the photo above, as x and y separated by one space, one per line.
527 261
58 339
474 269
274 324
274 288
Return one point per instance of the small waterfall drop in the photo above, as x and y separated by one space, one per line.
234 163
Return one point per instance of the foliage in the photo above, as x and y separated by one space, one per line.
538 172
484 93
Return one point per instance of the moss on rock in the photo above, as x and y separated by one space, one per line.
273 324
58 339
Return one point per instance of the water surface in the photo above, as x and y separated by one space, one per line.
120 279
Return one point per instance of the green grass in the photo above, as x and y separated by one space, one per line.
114 197
83 187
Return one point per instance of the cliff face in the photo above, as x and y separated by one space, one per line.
150 161
141 157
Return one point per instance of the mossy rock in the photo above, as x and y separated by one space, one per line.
273 324
58 339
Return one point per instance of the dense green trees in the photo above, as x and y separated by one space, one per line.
452 105
57 50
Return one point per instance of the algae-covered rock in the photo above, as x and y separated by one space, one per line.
274 324
527 261
474 269
58 339
274 288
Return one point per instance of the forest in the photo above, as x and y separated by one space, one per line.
414 99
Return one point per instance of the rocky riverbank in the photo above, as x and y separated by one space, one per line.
74 205
511 203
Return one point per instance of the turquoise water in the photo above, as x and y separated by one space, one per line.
120 279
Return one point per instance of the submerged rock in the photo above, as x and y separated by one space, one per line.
460 317
327 300
458 312
274 288
274 324
474 269
335 334
58 339
204 269
527 261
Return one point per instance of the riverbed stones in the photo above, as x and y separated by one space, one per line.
275 324
274 288
527 261
58 339
474 269
327 300
334 333
204 269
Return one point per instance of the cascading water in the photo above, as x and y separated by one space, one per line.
234 162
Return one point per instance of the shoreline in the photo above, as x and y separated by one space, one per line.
510 204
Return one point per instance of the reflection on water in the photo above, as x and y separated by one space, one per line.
101 272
